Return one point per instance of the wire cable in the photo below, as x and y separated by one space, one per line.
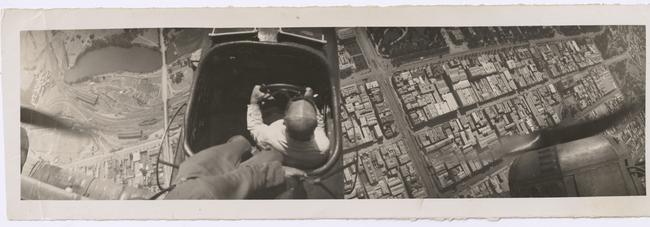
162 142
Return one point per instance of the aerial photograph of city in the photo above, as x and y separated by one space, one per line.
409 112
426 110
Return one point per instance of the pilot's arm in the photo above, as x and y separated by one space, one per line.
254 122
320 136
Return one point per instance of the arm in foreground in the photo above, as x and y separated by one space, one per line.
236 184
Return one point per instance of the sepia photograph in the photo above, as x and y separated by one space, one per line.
333 113
325 113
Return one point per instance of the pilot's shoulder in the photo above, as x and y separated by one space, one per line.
322 141
278 126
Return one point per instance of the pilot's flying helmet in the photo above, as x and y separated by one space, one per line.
300 119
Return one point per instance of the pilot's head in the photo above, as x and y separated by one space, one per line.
300 119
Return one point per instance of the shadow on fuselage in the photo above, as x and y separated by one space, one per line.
572 160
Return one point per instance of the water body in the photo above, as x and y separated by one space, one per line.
114 59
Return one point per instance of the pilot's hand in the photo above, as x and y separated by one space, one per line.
257 95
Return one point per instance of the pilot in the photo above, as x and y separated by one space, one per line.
219 173
298 135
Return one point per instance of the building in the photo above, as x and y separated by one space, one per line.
87 97
135 134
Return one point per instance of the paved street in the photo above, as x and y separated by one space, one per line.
381 71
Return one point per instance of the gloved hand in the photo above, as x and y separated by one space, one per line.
264 170
236 184
293 172
217 173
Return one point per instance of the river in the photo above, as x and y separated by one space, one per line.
114 59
